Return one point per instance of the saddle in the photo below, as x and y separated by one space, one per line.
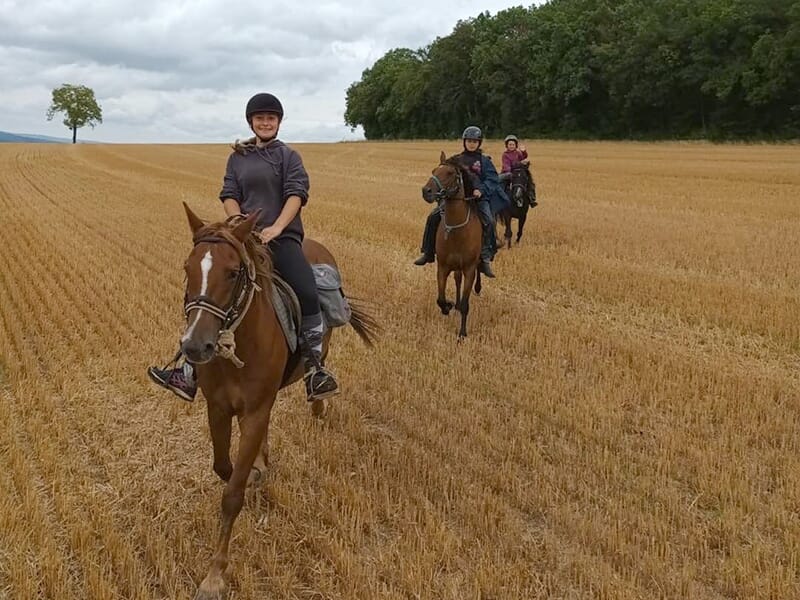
335 307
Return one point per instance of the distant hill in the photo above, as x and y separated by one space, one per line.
28 138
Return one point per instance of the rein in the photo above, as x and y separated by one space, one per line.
241 298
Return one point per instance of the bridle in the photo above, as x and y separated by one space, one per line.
518 188
241 298
447 193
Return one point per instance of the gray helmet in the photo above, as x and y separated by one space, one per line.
263 103
511 138
472 133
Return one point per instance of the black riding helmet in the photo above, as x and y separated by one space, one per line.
263 103
472 133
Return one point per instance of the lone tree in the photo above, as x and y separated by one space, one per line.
79 106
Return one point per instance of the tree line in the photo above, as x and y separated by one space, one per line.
646 69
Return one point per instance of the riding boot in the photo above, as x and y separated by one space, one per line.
320 382
485 266
429 238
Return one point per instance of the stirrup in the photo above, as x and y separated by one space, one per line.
315 393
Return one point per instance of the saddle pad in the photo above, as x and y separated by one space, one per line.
287 307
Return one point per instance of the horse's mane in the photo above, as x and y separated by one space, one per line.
258 252
466 176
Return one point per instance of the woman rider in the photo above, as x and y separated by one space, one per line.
270 176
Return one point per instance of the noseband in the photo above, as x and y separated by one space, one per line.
241 298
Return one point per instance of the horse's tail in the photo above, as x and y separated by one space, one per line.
365 325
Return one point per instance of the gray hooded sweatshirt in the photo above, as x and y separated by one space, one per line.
265 178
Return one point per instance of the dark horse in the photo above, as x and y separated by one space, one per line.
231 320
458 239
522 190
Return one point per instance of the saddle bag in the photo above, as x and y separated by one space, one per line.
335 307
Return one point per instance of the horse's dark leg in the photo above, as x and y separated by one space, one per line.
458 275
470 277
507 223
253 428
219 423
441 279
522 218
478 286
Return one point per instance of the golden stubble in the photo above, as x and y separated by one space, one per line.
621 423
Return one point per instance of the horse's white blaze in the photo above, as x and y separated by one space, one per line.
205 268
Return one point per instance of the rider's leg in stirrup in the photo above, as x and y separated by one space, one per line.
429 238
179 380
291 264
488 245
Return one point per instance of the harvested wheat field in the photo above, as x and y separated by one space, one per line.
622 421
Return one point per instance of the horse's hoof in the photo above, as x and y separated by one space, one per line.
212 588
461 338
319 408
446 308
201 595
256 477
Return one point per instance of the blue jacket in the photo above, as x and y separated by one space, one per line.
480 165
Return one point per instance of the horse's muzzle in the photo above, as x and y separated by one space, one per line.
428 194
198 352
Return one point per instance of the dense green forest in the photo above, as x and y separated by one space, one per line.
718 69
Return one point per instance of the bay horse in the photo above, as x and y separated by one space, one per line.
228 280
521 188
458 239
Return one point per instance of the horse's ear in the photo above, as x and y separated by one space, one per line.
195 223
442 158
245 228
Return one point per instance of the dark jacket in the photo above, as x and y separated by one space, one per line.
488 182
265 178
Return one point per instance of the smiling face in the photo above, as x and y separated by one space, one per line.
265 125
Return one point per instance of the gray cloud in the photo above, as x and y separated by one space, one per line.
182 71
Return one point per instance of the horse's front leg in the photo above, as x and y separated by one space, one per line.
259 469
219 423
507 223
522 218
442 272
464 308
458 276
253 429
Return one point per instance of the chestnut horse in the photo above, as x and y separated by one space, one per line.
229 276
458 239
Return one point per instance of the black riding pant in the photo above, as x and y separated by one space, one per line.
291 265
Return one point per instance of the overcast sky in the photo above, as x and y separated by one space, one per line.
182 71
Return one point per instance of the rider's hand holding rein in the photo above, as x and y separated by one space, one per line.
476 193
